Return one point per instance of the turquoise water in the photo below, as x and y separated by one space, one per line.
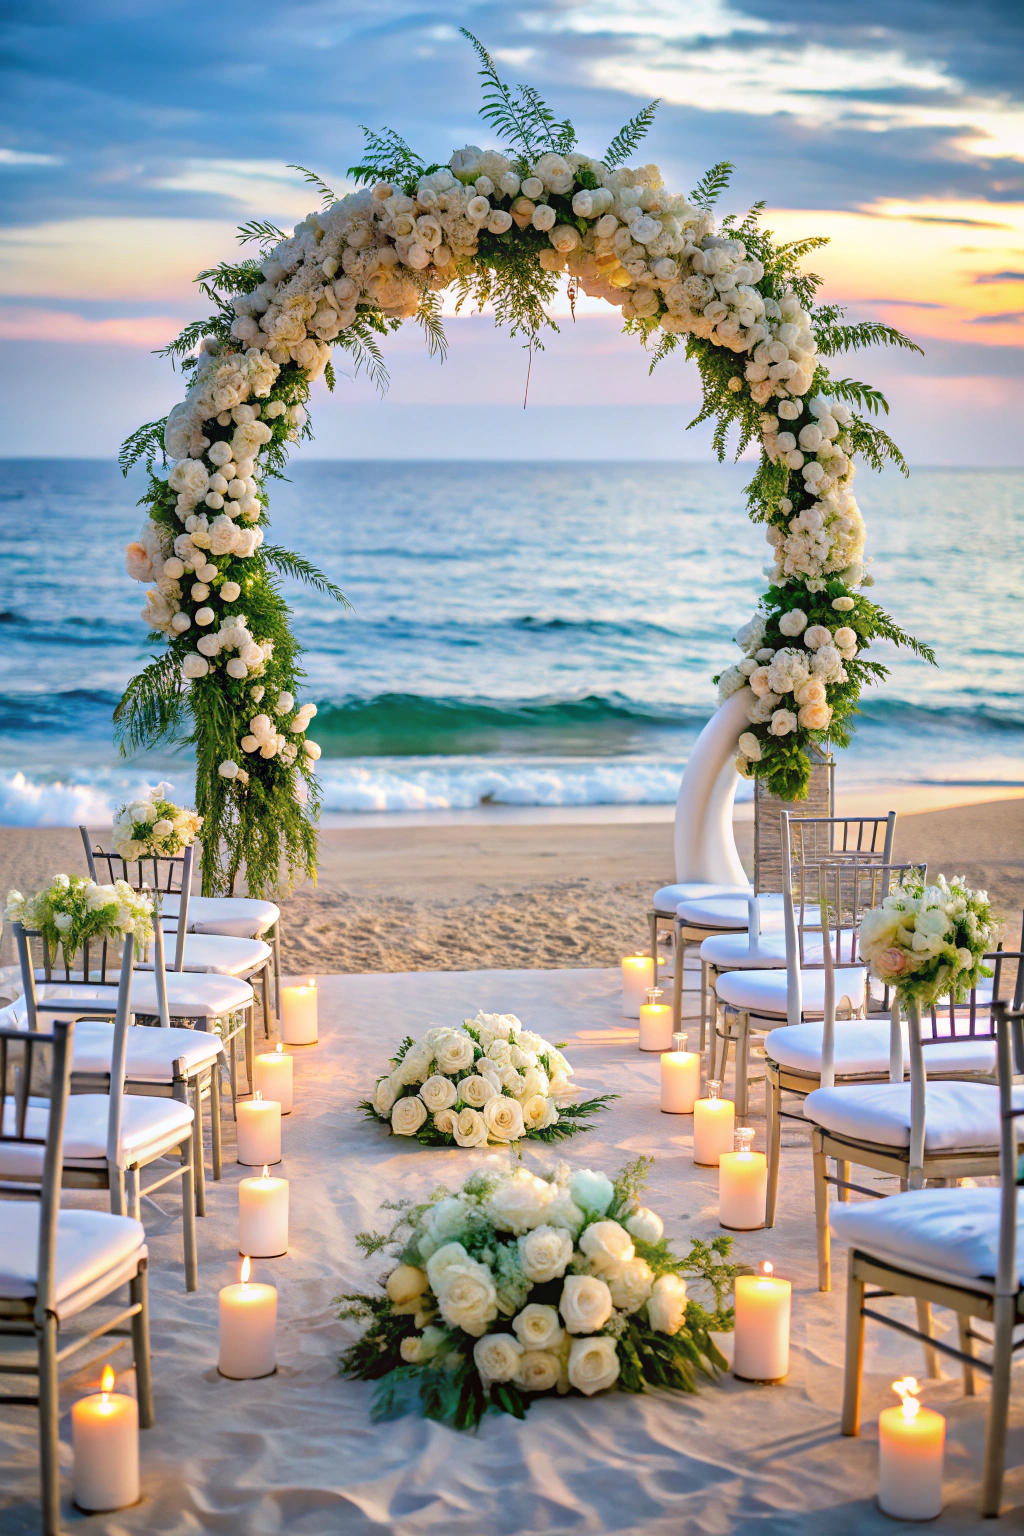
520 634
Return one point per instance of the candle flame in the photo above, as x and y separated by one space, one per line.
266 1171
311 982
280 1048
246 1270
107 1380
767 1269
905 1389
258 1095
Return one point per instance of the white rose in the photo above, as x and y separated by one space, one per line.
538 1112
438 1093
470 1129
845 638
645 1225
794 622
666 1305
840 604
228 769
476 1090
606 1244
407 1116
564 1212
454 1053
384 1096
593 1365
817 636
496 1356
585 1303
782 722
503 1118
815 717
537 1371
520 1201
467 1298
750 746
444 1121
538 1327
759 682
593 1192
544 217
545 1253
500 1052
443 1259
630 1284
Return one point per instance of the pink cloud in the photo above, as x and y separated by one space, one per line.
26 323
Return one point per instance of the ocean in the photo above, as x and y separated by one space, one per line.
520 634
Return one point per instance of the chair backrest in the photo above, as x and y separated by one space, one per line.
1009 1027
812 839
165 872
20 1063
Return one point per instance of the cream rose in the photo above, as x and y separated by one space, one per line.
593 1365
476 1090
454 1053
630 1284
444 1121
606 1243
545 1253
646 1226
538 1327
537 1371
467 1298
503 1118
496 1356
538 1112
443 1259
407 1116
666 1305
438 1093
585 1304
384 1096
519 1202
405 1284
813 691
815 717
469 1129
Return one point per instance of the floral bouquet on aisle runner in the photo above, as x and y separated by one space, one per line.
522 1283
490 1082
153 826
928 941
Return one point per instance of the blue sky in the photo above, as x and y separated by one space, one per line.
133 138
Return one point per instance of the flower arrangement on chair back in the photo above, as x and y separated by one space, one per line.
73 911
153 826
929 940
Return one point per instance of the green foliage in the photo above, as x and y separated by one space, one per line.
359 341
631 1182
834 336
712 184
630 135
262 232
523 122
509 278
144 443
153 707
301 569
387 157
568 1117
232 277
327 197
429 317
856 393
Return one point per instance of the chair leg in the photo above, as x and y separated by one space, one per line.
133 1189
705 981
277 968
926 1326
854 1366
233 1074
265 997
773 1145
139 1287
215 1125
118 1203
999 1403
198 1150
250 1044
49 1425
821 1214
843 1175
678 962
742 1069
652 935
188 1215
967 1347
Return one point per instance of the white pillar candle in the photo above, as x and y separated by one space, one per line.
761 1337
258 1131
655 1022
263 1216
248 1329
680 1078
911 1444
714 1119
298 1014
637 978
105 1437
273 1077
742 1184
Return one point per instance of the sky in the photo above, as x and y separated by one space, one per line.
135 137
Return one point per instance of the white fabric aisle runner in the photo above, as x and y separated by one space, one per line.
297 1452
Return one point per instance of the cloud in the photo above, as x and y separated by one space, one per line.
1000 277
28 323
18 157
1008 317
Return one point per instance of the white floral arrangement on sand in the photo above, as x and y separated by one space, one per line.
489 1082
523 1283
153 827
929 941
72 911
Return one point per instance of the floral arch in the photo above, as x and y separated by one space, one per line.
502 227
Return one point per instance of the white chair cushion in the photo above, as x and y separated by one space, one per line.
190 995
147 1125
668 898
215 953
764 992
150 1053
862 1047
957 1115
952 1233
90 1244
241 917
731 951
724 913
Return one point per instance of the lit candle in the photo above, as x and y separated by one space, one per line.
248 1329
273 1077
263 1216
258 1131
637 979
911 1443
105 1436
713 1122
298 1014
680 1078
742 1184
761 1337
655 1023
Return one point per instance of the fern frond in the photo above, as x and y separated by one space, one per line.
429 317
864 395
630 135
260 230
834 336
327 197
712 184
152 707
387 157
667 344
232 277
300 569
144 443
364 350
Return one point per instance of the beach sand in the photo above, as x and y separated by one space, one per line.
481 895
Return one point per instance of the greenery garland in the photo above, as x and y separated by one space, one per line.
499 228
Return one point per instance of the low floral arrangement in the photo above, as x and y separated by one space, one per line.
492 1081
522 1283
72 911
153 827
929 941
